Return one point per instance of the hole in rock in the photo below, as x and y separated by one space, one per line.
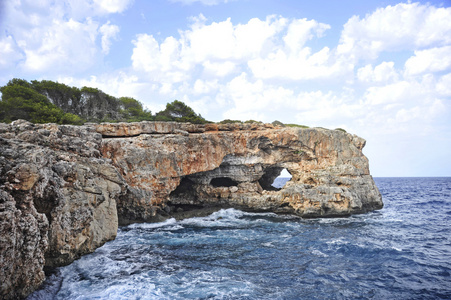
46 203
274 178
223 182
185 187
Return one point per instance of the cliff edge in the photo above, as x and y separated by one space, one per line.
64 190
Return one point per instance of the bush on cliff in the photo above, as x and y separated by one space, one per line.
228 121
179 112
133 110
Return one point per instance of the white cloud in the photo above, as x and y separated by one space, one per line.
251 99
205 87
219 69
205 2
9 53
429 60
389 94
381 73
162 62
256 70
66 45
292 59
303 65
444 85
79 9
300 31
405 26
58 36
108 32
113 6
225 41
223 48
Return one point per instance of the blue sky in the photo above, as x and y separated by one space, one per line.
379 69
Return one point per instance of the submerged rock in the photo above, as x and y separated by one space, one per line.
65 189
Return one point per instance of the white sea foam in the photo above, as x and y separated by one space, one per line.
167 222
221 218
319 253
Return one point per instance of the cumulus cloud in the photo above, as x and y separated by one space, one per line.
204 86
258 69
219 69
58 36
108 32
429 60
10 53
226 41
405 26
80 9
112 6
391 93
161 62
444 85
381 73
205 2
222 48
66 45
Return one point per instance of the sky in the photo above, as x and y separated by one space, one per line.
378 69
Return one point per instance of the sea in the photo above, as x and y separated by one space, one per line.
400 252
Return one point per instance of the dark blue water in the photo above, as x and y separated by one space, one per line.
400 252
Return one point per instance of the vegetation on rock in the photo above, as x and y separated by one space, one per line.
21 101
296 125
228 121
47 101
52 102
179 112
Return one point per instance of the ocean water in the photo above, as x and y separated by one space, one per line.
400 252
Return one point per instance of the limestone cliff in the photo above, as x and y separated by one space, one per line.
65 189
57 202
184 165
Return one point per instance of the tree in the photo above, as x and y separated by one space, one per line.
20 101
133 110
65 97
180 112
48 101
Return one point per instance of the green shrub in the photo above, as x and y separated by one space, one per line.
179 112
228 121
340 129
278 123
296 125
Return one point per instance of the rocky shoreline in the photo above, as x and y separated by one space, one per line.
64 190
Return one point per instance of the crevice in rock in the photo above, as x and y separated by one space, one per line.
119 136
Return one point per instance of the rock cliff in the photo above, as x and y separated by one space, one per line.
65 189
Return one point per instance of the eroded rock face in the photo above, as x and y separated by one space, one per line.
58 200
234 166
65 189
23 241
